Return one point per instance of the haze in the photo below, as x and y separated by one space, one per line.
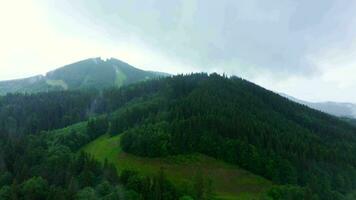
306 49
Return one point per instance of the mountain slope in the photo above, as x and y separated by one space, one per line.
226 118
31 84
334 108
228 180
89 73
239 122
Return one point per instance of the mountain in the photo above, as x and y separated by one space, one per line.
338 109
305 153
89 73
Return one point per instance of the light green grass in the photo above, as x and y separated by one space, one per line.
229 181
59 83
78 127
351 195
120 78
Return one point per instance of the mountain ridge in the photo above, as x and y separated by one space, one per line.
339 109
88 73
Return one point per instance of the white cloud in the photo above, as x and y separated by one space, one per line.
302 49
33 42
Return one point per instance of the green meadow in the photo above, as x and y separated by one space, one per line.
228 181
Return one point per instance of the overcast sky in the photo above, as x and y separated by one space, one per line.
304 48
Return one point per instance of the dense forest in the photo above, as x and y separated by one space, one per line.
32 113
34 167
311 155
239 122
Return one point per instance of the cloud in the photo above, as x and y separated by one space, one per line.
281 44
246 36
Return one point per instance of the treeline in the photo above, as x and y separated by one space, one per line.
33 113
31 169
50 166
159 188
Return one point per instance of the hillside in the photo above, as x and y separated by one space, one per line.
229 181
89 73
239 122
309 154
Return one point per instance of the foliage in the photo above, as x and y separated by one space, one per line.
87 193
32 113
35 188
227 180
227 118
97 127
237 121
37 169
155 188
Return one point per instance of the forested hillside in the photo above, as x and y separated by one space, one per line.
311 154
93 73
239 122
32 113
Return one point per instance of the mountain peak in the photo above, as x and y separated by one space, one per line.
88 73
97 60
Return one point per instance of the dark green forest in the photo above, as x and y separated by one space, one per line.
306 153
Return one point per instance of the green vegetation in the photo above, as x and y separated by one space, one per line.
241 123
181 123
29 162
352 121
33 113
97 73
351 196
36 169
59 83
27 85
93 73
229 182
120 78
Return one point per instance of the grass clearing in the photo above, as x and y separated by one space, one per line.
80 127
59 83
229 181
120 77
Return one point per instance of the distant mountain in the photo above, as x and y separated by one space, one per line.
338 109
89 73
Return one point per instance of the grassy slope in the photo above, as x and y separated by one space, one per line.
120 78
59 83
229 181
80 127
